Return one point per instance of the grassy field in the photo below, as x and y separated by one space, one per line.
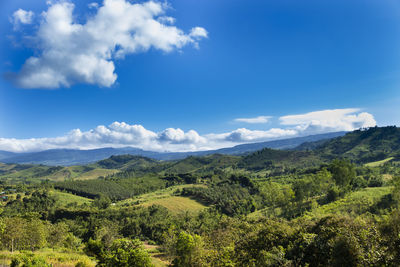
378 163
158 259
55 258
64 198
177 204
356 203
166 198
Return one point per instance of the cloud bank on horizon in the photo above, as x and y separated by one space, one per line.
121 134
71 53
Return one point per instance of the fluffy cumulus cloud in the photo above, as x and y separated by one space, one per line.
121 134
71 52
243 135
330 120
259 119
21 17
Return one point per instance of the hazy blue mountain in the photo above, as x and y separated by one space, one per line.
6 154
66 157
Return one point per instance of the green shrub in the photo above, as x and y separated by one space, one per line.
28 260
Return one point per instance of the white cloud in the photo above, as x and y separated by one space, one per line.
259 119
70 52
177 136
21 17
243 135
330 120
166 20
93 5
198 32
121 134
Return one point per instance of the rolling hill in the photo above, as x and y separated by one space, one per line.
361 146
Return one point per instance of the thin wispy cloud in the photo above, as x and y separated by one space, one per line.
259 119
70 52
121 134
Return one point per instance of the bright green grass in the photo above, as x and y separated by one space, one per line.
64 198
158 259
378 163
158 262
165 197
54 257
177 204
355 203
159 194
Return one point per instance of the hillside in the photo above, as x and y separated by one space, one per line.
68 157
365 145
362 146
279 160
123 162
203 164
31 173
6 154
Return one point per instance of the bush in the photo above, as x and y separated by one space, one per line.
82 263
28 260
121 253
333 194
375 181
358 182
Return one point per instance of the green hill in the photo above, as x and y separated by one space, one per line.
127 162
279 159
364 145
203 164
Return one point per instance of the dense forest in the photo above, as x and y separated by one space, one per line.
324 203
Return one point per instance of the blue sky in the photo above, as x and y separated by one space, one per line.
247 59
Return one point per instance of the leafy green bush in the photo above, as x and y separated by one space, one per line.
27 259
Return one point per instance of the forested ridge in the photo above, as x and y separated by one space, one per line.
331 203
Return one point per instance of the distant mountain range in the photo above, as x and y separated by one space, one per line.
67 157
6 154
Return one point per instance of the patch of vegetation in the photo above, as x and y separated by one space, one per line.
66 199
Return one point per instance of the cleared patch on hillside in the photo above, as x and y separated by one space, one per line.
65 199
378 163
96 173
166 198
177 204
158 258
